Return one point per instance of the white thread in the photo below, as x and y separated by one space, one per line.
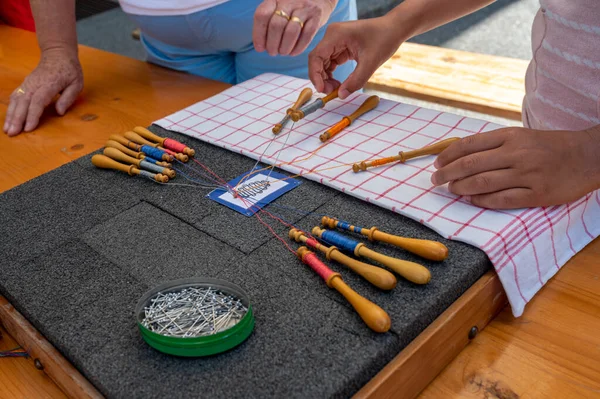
281 149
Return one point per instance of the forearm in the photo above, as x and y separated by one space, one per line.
414 17
55 24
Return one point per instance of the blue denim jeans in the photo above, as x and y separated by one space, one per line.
217 43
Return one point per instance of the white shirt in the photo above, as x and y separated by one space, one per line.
167 7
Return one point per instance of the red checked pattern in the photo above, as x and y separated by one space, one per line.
527 247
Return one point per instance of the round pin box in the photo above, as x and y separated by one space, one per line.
195 317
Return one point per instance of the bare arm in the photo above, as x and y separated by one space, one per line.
55 24
420 16
371 42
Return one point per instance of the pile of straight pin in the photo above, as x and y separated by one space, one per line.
192 312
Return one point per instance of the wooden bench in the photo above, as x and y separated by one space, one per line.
484 83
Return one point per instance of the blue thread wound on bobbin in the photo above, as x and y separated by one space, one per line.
153 152
342 242
150 166
151 160
344 225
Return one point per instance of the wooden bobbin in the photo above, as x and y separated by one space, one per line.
127 143
369 104
411 271
140 163
375 275
136 138
303 98
140 140
121 157
312 107
179 156
373 316
148 135
125 150
405 156
104 162
427 249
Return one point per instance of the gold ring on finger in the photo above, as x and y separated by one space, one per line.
282 13
20 91
296 19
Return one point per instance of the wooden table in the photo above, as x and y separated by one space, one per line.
121 93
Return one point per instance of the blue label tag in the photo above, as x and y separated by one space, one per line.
257 190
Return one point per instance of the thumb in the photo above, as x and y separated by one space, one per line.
68 97
357 79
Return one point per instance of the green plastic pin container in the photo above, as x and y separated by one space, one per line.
203 345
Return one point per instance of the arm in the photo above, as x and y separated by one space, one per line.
421 16
55 25
371 42
58 71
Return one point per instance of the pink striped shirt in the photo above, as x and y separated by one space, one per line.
563 79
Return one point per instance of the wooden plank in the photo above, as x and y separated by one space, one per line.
19 377
552 351
419 363
120 93
56 367
483 83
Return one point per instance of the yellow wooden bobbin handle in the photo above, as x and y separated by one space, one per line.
312 107
427 249
136 138
121 157
405 156
375 275
104 162
125 150
303 98
373 316
428 150
127 143
148 135
331 96
411 271
369 104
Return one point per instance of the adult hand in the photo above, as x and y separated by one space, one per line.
369 42
291 32
58 72
517 167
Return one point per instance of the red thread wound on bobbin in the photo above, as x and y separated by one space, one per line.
174 145
318 266
311 242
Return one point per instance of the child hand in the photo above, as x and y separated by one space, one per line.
369 42
518 167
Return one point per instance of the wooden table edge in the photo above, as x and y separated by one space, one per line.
59 369
415 367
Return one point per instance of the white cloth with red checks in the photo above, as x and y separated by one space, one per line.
527 246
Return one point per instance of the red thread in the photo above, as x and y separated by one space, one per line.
311 242
318 266
174 145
